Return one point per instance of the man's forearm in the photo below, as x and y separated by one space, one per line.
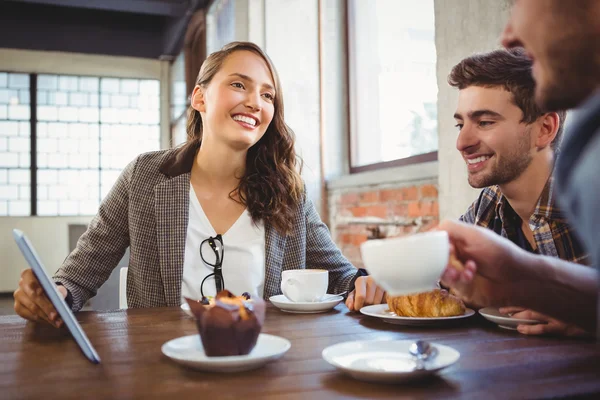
563 290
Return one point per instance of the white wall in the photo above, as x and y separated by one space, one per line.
50 235
462 27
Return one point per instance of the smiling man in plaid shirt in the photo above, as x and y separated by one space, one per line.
509 146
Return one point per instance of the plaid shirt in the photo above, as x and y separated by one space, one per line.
552 235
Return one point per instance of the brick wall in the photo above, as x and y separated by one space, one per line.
359 213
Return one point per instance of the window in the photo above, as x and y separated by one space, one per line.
83 132
393 87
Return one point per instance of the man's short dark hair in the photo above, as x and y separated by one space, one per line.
510 69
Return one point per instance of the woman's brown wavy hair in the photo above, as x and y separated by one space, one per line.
271 187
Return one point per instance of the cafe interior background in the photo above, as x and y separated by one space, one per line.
86 85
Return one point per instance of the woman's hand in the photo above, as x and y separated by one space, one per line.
365 293
32 303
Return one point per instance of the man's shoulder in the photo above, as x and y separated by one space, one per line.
483 209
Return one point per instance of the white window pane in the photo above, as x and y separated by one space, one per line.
93 100
68 114
88 84
61 98
3 144
68 83
109 85
16 176
47 82
394 92
19 208
3 176
47 113
89 114
42 192
3 111
66 207
47 208
18 112
18 81
89 207
129 86
150 87
47 176
25 160
78 99
3 208
9 192
24 96
18 144
3 79
10 160
25 129
24 192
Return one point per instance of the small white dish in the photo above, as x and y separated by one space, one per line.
186 309
383 311
386 361
188 351
505 321
285 304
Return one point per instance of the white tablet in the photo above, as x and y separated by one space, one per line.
55 297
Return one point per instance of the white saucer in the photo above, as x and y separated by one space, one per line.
186 309
188 351
285 304
504 321
385 361
383 311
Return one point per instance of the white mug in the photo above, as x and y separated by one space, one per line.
408 264
305 285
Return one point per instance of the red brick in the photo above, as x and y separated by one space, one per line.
359 211
410 193
369 197
357 240
414 209
429 191
376 211
399 210
349 198
391 195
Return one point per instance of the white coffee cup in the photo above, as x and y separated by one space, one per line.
305 285
408 264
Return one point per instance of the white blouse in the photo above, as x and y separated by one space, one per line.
243 255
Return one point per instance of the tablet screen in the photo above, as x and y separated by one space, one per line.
55 296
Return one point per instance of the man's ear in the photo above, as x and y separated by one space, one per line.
197 99
549 124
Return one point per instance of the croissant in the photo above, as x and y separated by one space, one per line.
438 303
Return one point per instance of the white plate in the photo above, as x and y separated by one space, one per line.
186 309
503 320
285 304
385 361
383 311
188 351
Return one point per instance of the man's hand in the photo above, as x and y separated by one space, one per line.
493 269
365 293
547 325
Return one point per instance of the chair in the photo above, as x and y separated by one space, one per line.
123 288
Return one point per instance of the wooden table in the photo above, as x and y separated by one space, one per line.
40 362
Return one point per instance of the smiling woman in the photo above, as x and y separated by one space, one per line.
227 209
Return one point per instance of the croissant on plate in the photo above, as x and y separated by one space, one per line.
437 303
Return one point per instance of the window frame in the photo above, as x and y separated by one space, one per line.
33 122
351 111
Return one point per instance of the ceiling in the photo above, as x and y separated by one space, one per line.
135 28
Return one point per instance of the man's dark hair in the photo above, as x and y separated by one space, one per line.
510 69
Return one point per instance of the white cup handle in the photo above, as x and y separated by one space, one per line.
289 287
